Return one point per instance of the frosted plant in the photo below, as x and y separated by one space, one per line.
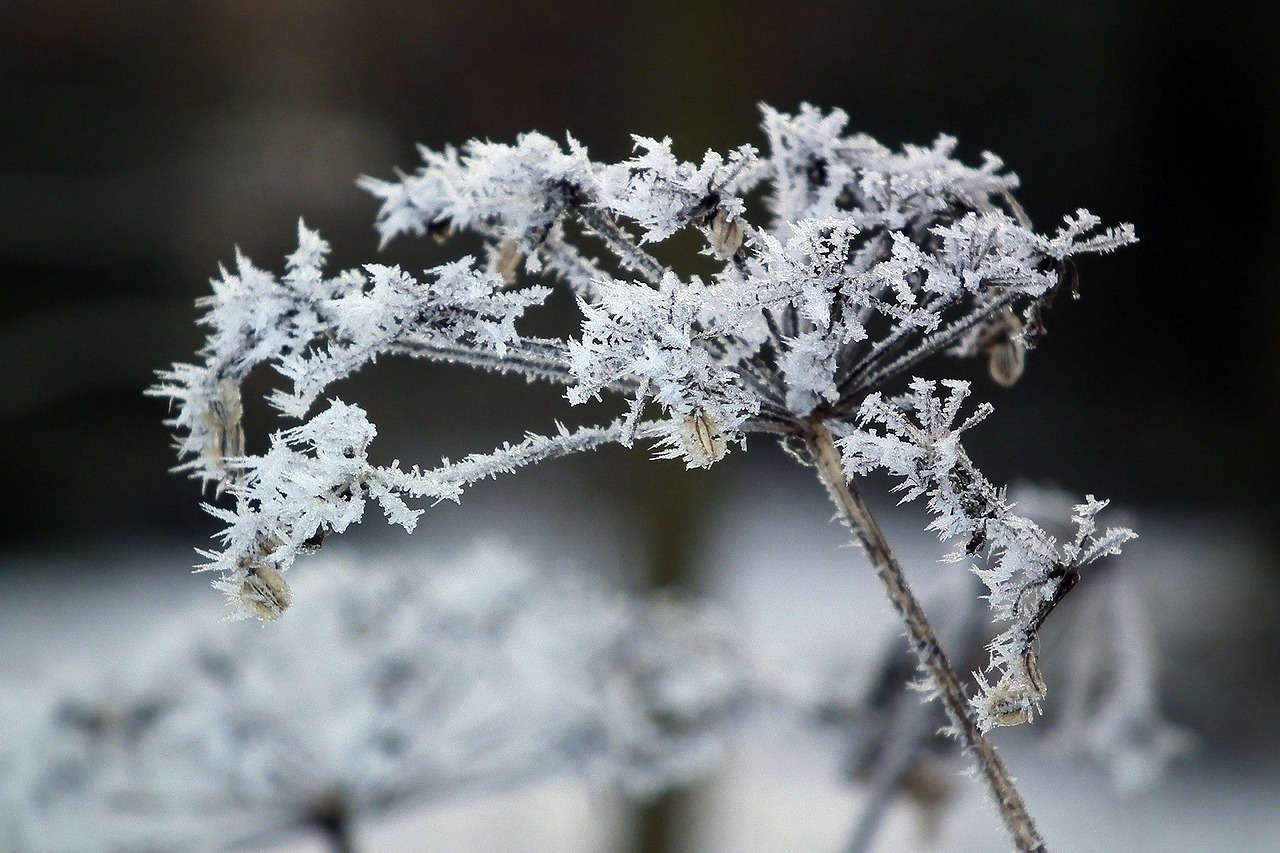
871 261
1029 571
1111 713
390 685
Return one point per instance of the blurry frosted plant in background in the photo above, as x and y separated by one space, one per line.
864 704
391 685
871 261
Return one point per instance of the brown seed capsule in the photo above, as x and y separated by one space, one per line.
702 441
1006 708
223 419
724 235
505 260
1014 700
440 230
1006 361
264 593
1006 352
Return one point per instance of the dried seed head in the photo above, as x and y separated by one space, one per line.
1006 361
1003 707
264 593
701 440
1016 697
440 230
724 235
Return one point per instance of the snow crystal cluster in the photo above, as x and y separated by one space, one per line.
419 683
841 265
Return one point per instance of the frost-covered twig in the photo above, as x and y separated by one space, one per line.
1028 571
1109 705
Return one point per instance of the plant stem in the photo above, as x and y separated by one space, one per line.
913 723
335 825
622 244
890 773
924 643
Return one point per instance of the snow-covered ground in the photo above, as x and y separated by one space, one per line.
780 570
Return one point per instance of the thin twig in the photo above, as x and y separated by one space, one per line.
532 359
900 754
622 244
924 642
869 374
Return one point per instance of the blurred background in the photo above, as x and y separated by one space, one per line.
141 142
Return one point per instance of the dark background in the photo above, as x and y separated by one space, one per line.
140 142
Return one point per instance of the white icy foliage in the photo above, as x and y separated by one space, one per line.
491 188
391 685
873 261
814 163
1107 668
660 193
1026 570
317 331
635 332
317 479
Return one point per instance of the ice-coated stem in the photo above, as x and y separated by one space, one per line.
924 642
908 734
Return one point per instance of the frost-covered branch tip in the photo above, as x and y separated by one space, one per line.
1026 570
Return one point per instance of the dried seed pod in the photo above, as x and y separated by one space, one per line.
701 440
1006 361
440 230
505 260
264 593
1016 697
1007 707
724 235
1006 352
